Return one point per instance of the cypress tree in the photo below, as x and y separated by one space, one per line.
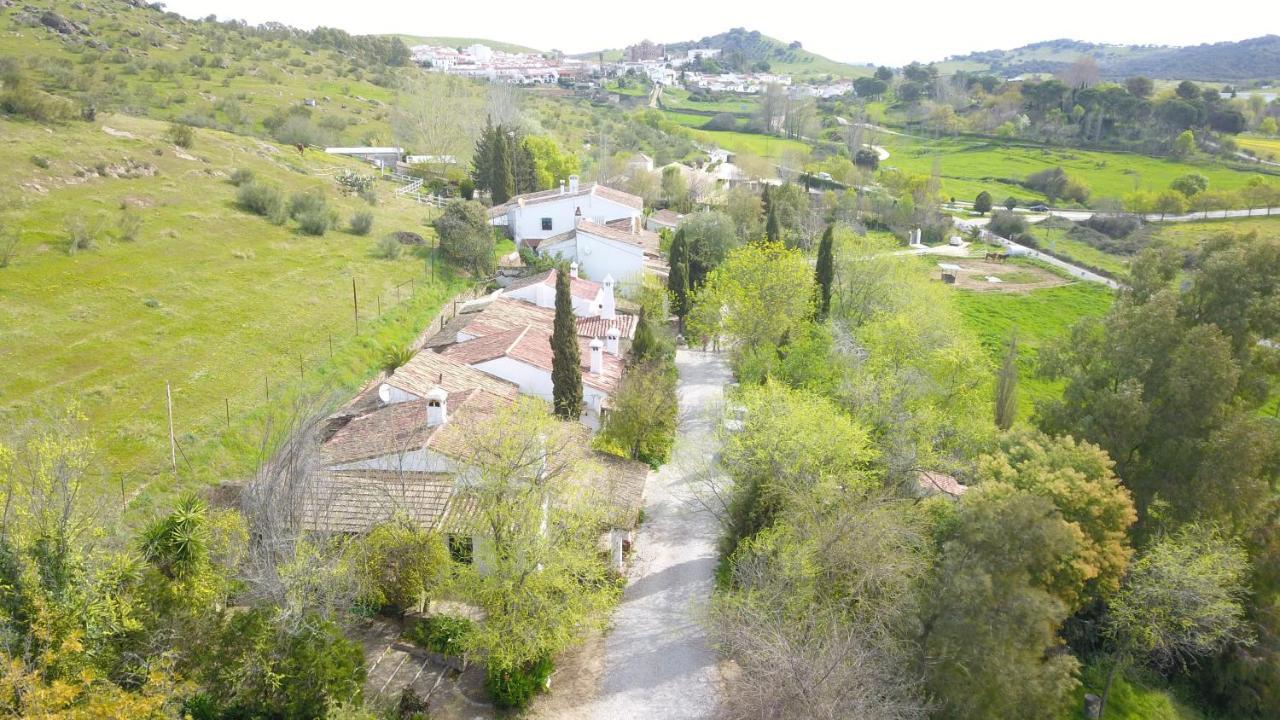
645 344
677 254
766 206
824 273
503 182
771 230
566 359
1006 398
482 158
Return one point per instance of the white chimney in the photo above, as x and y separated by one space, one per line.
573 183
611 341
597 357
437 407
635 225
561 187
573 269
608 309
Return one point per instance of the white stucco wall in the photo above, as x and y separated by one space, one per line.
526 222
544 295
536 382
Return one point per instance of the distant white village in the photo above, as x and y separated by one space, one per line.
645 59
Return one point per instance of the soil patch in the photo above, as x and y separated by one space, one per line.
983 276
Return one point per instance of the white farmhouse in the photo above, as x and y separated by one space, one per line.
523 356
619 251
410 459
533 217
589 297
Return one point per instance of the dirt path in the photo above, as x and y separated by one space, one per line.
657 662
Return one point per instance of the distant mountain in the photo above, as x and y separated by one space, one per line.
741 49
1255 59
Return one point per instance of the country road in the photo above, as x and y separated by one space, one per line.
657 661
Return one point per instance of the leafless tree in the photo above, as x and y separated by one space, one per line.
303 574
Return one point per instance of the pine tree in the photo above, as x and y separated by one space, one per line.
824 273
566 358
771 231
502 183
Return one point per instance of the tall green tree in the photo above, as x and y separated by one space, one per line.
502 182
1006 398
1182 599
982 203
566 358
825 271
772 232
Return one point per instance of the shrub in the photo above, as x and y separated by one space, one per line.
411 706
8 247
467 189
1007 224
388 248
1113 226
441 633
129 225
514 687
361 222
396 357
369 196
721 121
241 176
81 234
182 135
465 236
315 222
355 181
305 202
40 161
261 199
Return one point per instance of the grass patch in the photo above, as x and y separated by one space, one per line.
1189 235
1057 241
1131 699
1038 317
236 313
765 146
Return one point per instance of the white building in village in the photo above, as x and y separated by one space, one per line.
533 217
621 251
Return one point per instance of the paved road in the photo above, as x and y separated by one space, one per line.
657 663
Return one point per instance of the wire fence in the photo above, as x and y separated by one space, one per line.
306 367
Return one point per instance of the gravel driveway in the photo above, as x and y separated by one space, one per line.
657 662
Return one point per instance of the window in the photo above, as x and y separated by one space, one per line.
546 223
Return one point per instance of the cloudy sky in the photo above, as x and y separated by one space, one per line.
850 31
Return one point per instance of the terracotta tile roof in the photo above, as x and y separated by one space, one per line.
402 427
644 239
578 287
929 482
353 501
598 327
426 370
506 314
532 346
607 193
667 217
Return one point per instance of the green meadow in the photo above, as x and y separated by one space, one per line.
1035 318
235 313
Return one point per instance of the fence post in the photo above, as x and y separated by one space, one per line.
173 445
301 373
330 344
266 388
227 402
355 304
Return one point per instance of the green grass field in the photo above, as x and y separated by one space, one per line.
1189 235
764 146
1056 240
970 165
1036 318
220 303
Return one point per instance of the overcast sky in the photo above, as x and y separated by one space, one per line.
851 31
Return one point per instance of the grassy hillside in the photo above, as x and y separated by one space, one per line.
970 165
1253 59
221 303
455 42
753 46
140 61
